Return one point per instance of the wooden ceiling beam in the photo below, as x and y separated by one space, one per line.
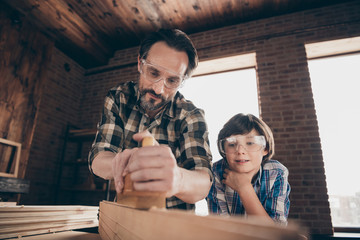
90 31
64 27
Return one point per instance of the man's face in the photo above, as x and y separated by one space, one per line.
166 63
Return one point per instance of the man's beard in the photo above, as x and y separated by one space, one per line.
150 105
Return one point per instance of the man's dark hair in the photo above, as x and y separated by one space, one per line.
175 39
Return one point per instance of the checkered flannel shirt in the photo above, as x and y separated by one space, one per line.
271 187
180 125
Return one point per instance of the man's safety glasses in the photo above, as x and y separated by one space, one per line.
155 73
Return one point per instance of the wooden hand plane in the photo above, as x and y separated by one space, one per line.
141 199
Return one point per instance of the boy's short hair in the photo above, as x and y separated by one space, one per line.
243 124
175 39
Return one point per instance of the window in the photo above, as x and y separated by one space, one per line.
336 86
221 96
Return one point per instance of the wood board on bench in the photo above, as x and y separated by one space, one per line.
19 221
120 222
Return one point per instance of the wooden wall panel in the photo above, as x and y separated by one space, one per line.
25 54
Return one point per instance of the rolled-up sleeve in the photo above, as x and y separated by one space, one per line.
109 134
194 143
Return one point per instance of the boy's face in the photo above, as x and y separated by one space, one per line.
248 154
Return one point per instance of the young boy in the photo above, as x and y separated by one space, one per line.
246 180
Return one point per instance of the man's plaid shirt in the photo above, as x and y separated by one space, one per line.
271 186
180 125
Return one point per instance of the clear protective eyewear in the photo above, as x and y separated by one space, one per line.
155 73
251 144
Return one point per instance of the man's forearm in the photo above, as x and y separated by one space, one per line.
102 165
195 185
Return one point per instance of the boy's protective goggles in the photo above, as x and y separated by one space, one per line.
251 144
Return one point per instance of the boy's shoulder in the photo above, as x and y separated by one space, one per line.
219 165
274 165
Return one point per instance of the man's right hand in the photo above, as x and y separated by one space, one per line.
119 163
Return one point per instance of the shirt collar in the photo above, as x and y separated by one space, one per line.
258 177
170 107
136 88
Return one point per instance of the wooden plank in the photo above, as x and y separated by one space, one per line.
7 204
4 235
5 215
165 224
14 185
65 235
25 227
332 47
40 208
44 219
104 232
82 133
26 220
112 228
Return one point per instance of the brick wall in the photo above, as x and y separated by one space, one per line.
121 68
284 91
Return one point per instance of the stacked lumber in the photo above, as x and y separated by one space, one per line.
19 221
121 222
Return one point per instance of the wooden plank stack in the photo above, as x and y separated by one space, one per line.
122 222
19 221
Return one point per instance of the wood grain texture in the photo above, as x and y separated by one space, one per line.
66 235
120 222
90 31
25 55
18 221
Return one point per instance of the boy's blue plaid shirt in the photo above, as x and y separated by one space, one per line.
271 187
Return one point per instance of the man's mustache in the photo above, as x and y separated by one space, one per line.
151 92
